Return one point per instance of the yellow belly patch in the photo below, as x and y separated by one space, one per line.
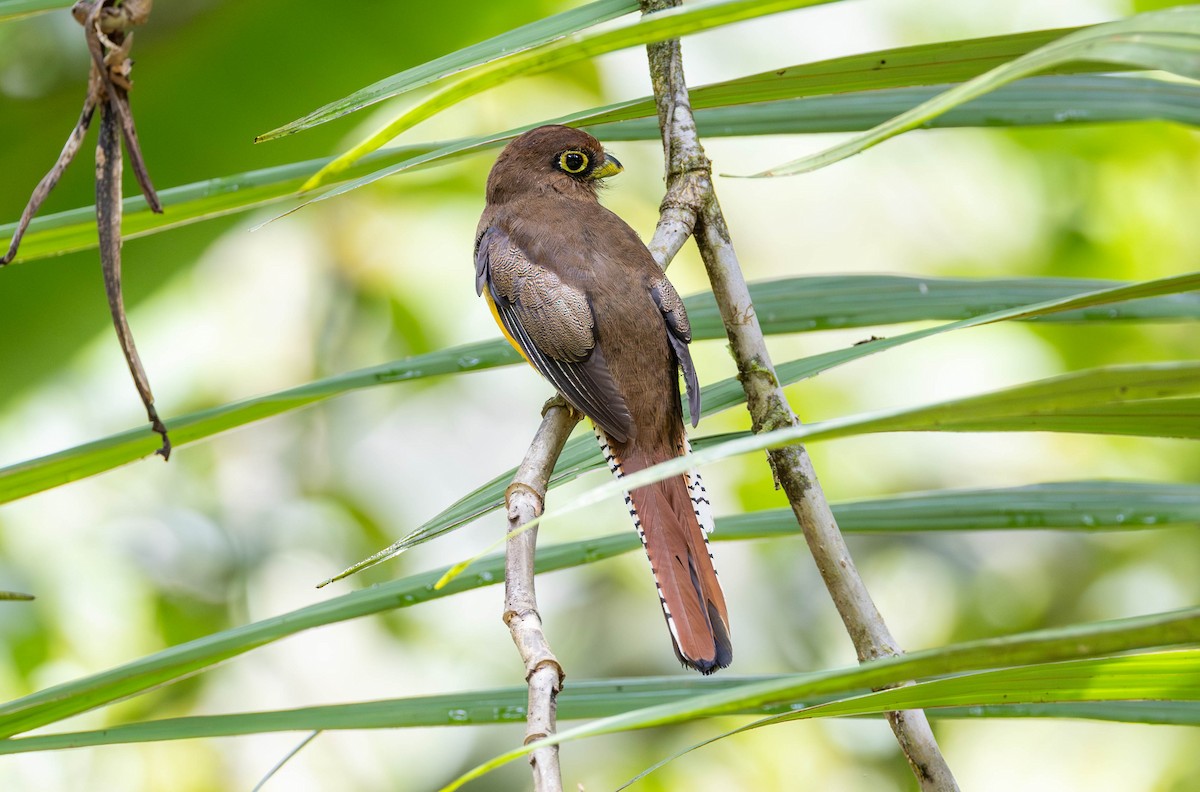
487 295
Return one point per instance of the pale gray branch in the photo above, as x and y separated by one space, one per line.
525 499
691 205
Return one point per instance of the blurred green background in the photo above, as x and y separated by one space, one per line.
242 526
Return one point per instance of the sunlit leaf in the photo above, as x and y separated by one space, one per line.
75 229
1152 400
515 40
817 303
1170 504
901 67
667 24
1044 646
16 9
1167 40
1171 676
581 699
1035 101
728 393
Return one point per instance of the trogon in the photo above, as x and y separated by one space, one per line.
579 295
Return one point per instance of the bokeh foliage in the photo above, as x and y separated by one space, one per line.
155 558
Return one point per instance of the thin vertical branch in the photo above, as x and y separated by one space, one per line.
691 199
108 223
525 499
107 26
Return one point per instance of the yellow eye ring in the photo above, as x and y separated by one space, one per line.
573 161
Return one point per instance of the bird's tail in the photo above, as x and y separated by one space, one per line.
673 519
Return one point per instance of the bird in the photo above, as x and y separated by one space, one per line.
576 292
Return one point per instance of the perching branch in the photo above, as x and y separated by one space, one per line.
525 500
107 26
691 203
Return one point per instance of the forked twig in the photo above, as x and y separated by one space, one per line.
107 25
50 180
105 28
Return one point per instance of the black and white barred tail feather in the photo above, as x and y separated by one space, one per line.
673 518
700 502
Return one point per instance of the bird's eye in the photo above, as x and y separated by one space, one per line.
573 161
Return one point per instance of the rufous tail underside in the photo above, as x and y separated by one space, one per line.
673 519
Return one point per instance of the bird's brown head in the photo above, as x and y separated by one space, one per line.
555 159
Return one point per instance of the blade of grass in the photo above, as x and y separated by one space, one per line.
1168 504
17 9
1049 105
1166 713
925 64
515 40
1131 679
906 295
869 72
1035 101
1070 505
1143 400
1160 676
75 229
1100 401
582 699
1167 40
671 23
728 393
1043 646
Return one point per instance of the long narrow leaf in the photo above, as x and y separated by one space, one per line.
1171 677
581 699
1038 101
728 393
1154 400
1044 646
75 229
671 23
1161 676
71 698
1095 505
788 306
1081 506
869 72
1035 101
924 64
16 9
1075 505
42 473
516 40
1167 40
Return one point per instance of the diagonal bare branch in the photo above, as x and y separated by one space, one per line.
691 203
50 180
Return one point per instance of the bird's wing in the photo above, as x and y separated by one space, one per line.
679 331
552 324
